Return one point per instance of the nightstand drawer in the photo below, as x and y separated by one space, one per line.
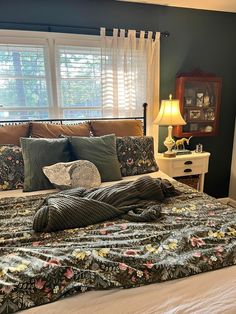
189 163
188 170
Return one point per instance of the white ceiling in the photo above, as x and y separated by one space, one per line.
214 5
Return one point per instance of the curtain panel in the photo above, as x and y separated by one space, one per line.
130 70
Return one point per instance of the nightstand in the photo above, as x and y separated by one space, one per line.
185 165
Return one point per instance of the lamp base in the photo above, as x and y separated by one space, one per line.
169 143
169 154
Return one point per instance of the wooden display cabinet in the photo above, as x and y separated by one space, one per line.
199 98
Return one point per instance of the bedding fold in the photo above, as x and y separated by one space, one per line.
80 207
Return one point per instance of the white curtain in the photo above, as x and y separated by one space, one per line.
130 75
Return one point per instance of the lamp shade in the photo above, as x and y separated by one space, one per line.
169 113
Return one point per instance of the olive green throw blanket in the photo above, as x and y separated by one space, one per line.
80 207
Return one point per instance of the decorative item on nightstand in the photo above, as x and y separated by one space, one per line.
170 115
180 146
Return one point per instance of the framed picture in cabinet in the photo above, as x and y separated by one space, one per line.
199 97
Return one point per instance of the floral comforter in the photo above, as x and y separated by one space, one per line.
195 234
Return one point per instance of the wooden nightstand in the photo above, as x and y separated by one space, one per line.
185 165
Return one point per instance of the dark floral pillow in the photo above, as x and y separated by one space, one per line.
136 155
11 168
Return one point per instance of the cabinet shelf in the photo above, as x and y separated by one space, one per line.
201 121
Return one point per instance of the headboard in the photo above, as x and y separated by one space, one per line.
75 121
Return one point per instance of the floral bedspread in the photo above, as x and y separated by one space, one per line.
195 234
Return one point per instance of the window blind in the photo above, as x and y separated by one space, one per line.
79 81
94 82
24 88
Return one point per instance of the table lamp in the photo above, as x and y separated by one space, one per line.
170 115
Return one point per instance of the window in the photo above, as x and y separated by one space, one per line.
52 75
23 82
79 82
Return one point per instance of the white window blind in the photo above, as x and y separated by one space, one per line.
79 81
93 82
24 88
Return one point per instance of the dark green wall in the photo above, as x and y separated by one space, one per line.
198 38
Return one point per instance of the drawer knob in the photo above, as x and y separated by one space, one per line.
188 162
187 170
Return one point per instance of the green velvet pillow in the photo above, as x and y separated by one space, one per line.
101 151
38 153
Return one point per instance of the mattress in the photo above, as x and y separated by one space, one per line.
19 193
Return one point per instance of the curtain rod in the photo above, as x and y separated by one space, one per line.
52 28
164 34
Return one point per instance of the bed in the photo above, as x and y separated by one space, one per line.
195 235
40 268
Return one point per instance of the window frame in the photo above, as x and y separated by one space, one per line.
22 38
59 46
51 41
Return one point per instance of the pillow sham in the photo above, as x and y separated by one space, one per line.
38 153
69 175
11 134
46 130
136 155
101 151
11 167
117 127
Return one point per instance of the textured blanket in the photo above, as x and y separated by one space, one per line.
194 234
80 207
